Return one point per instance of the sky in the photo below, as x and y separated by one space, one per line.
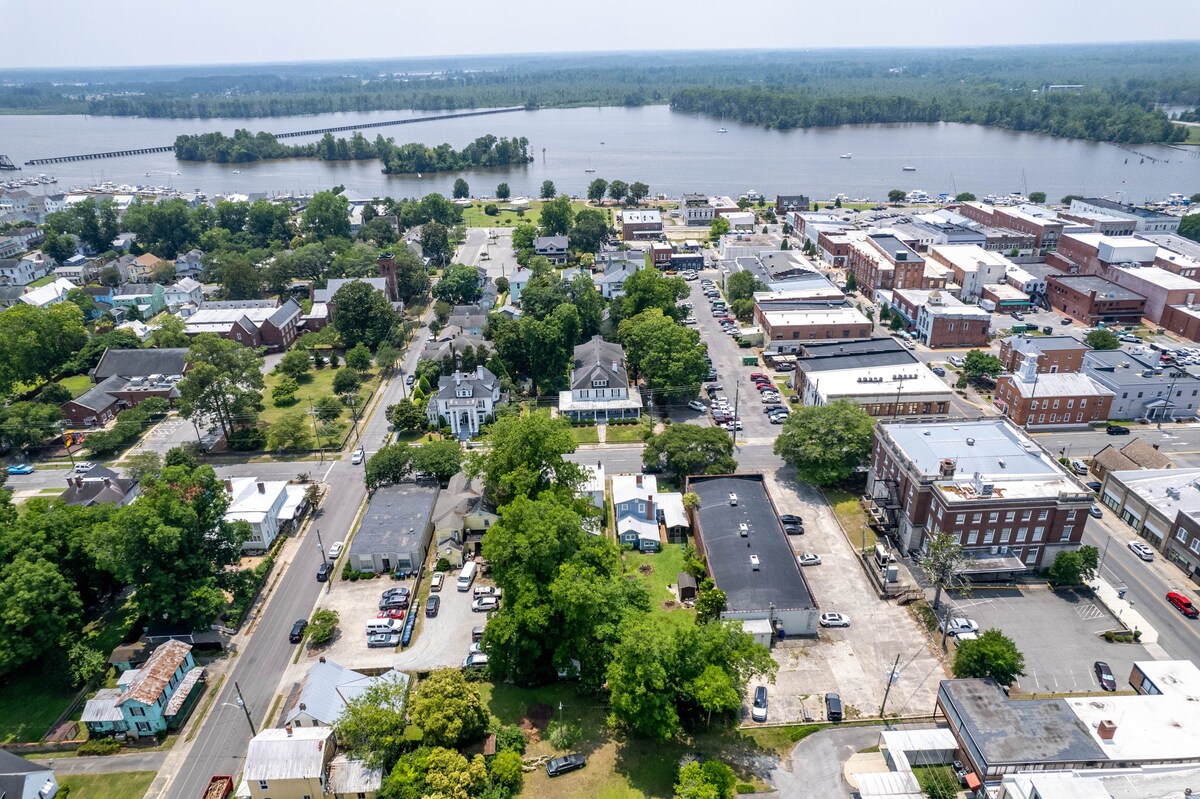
108 33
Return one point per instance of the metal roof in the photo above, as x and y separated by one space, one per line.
288 754
153 677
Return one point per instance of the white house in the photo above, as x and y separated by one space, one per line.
325 691
593 484
139 329
612 282
184 291
465 400
23 271
600 387
260 504
639 510
49 294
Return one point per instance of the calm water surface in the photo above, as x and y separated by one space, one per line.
672 152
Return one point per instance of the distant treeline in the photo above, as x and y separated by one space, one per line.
244 146
1094 116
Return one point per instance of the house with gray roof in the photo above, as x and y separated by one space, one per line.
99 486
600 387
396 529
465 401
320 699
21 778
612 282
552 248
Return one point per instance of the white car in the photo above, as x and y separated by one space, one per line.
485 603
809 559
84 466
336 548
697 405
1143 551
958 625
357 456
956 361
835 620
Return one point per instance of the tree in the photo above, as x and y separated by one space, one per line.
296 364
548 190
29 425
648 289
83 300
461 189
390 464
284 392
38 342
39 607
380 231
143 464
412 278
168 332
1037 197
386 357
943 560
1189 226
178 456
84 664
459 285
587 302
589 231
224 385
357 260
993 654
978 363
710 604
322 626
685 449
328 409
964 197
596 190
435 242
557 216
851 283
507 771
523 236
741 285
173 546
503 192
290 432
826 443
1102 340
896 196
638 191
241 279
1075 566
524 456
405 415
326 216
717 229
346 381
617 190
448 709
443 459
711 779
1068 199
60 247
371 726
362 314
667 356
359 357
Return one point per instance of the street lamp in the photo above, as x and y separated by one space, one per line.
241 702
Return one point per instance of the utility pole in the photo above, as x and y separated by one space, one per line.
737 393
320 450
245 709
888 689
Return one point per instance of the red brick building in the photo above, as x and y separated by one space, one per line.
883 262
942 320
1182 320
1092 299
1065 399
641 224
1054 354
786 331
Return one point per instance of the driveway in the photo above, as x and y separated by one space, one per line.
814 768
444 639
109 764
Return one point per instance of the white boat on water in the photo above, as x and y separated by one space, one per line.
908 169
722 130
846 155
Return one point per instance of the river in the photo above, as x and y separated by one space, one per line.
672 152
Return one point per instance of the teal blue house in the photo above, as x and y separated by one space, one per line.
154 698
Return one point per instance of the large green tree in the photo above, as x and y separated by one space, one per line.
412 278
524 456
435 242
361 313
458 285
978 363
39 609
443 459
28 425
1102 340
557 216
647 289
326 216
597 189
224 384
667 356
391 464
685 449
371 726
742 285
589 230
826 443
38 342
448 709
993 654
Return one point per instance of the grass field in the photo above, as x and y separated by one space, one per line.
316 384
589 434
120 785
78 385
1193 135
665 568
625 433
30 701
475 217
850 514
43 281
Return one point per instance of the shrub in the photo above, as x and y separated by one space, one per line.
323 625
443 565
99 747
563 734
506 770
491 210
250 438
510 737
744 787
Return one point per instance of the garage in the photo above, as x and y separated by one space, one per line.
759 629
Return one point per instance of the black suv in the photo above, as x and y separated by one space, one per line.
297 633
432 605
561 765
324 571
1117 430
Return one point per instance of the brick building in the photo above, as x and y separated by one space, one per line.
1183 320
878 375
785 331
1093 299
941 320
1160 288
973 268
641 224
1095 253
1051 400
882 262
1054 354
1026 220
985 482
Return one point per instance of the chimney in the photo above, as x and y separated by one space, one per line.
289 730
479 371
946 468
303 706
262 488
638 478
1106 730
107 482
321 659
228 486
457 377
650 508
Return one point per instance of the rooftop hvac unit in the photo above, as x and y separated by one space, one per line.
1173 493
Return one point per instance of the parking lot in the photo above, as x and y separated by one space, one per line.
1058 633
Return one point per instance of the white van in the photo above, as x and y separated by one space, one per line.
386 626
467 576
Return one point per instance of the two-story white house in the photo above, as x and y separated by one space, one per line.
184 292
465 401
552 248
600 387
643 515
260 504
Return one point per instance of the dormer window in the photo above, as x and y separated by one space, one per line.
599 383
463 391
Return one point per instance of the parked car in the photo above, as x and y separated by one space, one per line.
786 367
1142 550
401 590
20 468
956 361
383 640
697 405
323 571
758 710
1117 430
1064 321
791 518
1093 485
835 620
409 380
357 456
809 559
833 707
1104 676
432 606
84 466
1183 604
733 499
485 603
793 529
486 590
394 602
336 548
959 624
561 765
760 376
435 582
297 633
390 613
939 371
475 660
1079 467
1095 512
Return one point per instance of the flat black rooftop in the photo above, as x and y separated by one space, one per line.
778 583
395 520
826 356
1105 290
1017 730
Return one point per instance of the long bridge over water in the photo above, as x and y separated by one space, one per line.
315 132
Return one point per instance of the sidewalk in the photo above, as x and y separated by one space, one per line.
109 764
1123 610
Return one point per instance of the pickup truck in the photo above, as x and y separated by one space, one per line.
219 787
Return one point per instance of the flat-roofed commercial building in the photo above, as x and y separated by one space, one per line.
1054 354
1163 507
878 375
1092 299
785 331
1043 400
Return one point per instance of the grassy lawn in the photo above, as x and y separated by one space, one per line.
78 385
316 384
851 515
31 700
121 785
475 217
936 780
1193 135
43 281
588 434
665 568
625 433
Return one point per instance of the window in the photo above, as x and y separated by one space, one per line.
989 536
1070 404
1032 555
1039 532
262 785
1180 534
973 537
993 517
960 518
1066 532
1026 515
976 518
1022 532
1005 534
1083 403
1195 545
1010 516
1071 515
1043 515
141 711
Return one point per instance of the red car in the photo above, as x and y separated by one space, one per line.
1183 604
394 613
759 376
